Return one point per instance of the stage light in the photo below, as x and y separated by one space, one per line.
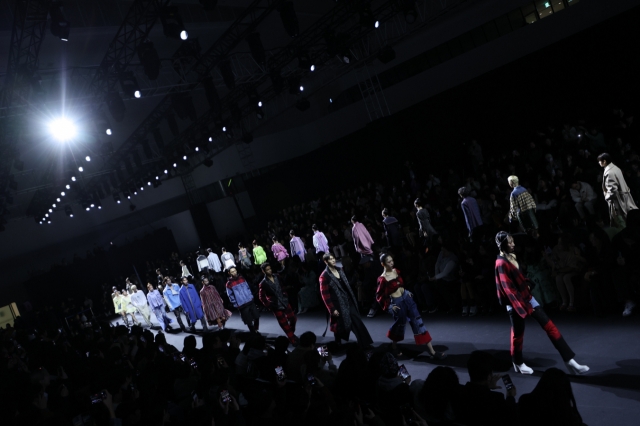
224 128
302 88
116 198
149 59
68 186
129 84
312 68
88 208
68 211
46 215
149 183
228 76
108 131
73 178
197 149
256 48
92 205
289 19
116 106
58 199
210 139
80 169
62 129
126 194
50 211
60 27
377 24
40 222
259 104
63 193
175 165
166 172
209 4
330 100
49 222
172 24
53 205
87 158
303 104
184 157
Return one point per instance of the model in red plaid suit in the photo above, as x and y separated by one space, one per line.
514 293
274 298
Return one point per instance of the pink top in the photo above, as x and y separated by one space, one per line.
279 251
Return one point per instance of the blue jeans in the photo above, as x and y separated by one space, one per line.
408 312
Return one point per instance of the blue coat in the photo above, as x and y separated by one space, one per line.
190 300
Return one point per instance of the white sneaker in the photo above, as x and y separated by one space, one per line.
522 368
576 368
628 308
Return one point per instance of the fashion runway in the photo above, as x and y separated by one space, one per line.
609 394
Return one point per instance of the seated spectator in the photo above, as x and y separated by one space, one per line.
477 403
392 390
566 263
584 198
551 403
296 357
435 399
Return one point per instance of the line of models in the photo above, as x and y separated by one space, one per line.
513 291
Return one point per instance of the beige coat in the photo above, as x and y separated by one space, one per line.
616 192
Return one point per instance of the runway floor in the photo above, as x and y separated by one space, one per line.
609 394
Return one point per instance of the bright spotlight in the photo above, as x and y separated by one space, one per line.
109 132
224 128
210 139
302 88
73 178
88 208
184 157
197 149
137 94
377 24
166 172
50 211
62 129
149 183
175 165
53 205
80 169
71 215
62 193
58 199
46 215
313 68
68 186
184 35
92 205
87 158
260 104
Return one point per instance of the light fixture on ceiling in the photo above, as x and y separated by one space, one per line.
63 129
60 27
172 24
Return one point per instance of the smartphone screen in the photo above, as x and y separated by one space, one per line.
161 348
280 373
97 398
507 382
323 351
403 371
312 380
193 363
225 396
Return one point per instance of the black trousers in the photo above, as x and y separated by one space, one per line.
357 328
250 316
177 312
517 335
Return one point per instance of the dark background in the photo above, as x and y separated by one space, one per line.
584 76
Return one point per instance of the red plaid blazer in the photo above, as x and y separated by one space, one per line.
512 287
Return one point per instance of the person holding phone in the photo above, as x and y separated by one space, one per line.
342 304
514 293
274 298
398 301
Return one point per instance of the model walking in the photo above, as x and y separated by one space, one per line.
244 257
156 302
398 301
616 192
139 301
171 294
259 256
274 298
514 293
342 304
279 252
190 301
127 306
212 305
241 297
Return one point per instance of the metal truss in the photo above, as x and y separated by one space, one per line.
135 29
244 25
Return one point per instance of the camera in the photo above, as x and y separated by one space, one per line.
323 351
99 397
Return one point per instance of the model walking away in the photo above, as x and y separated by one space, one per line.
297 246
279 252
616 192
398 301
228 261
241 297
259 255
244 257
342 304
214 261
522 207
276 300
514 293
